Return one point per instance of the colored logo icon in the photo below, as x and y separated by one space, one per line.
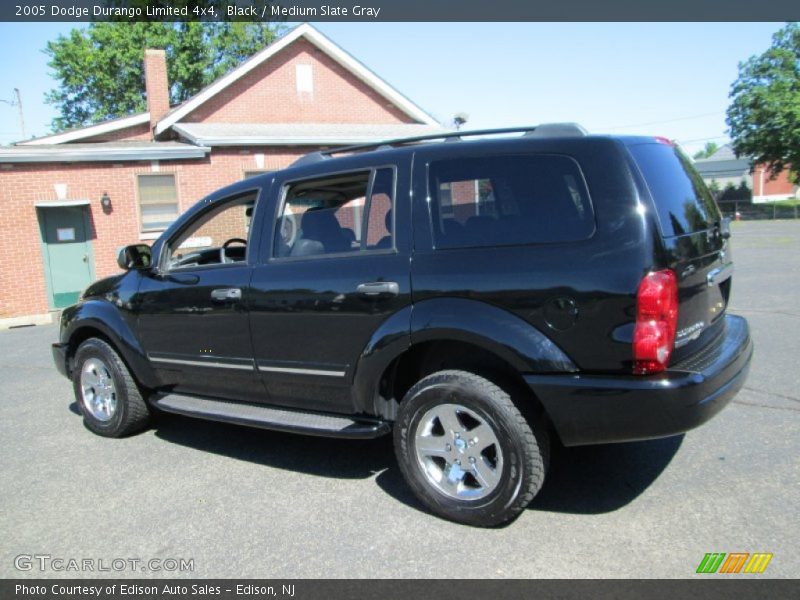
736 562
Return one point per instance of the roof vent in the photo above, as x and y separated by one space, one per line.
551 130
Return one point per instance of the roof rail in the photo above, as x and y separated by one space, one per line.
544 130
309 158
547 130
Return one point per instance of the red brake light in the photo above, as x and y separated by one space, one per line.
656 320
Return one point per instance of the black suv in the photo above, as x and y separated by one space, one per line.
477 297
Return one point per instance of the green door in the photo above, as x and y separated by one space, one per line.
68 260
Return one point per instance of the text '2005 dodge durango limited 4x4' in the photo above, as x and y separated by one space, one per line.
476 297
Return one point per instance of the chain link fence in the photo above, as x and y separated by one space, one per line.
747 211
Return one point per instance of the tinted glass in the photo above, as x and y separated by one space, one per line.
683 202
380 220
331 215
219 235
508 200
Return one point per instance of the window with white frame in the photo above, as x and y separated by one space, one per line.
304 78
158 201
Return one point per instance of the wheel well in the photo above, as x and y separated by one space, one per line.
428 357
86 332
80 336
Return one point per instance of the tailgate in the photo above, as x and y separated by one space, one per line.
703 267
696 245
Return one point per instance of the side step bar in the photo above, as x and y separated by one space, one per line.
269 417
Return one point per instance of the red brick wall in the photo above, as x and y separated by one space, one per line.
228 224
463 200
376 229
268 94
137 132
764 185
22 277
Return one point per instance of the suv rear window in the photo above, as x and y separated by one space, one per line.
683 202
508 200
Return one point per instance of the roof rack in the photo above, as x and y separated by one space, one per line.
545 130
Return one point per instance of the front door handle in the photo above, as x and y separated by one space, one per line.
376 289
226 295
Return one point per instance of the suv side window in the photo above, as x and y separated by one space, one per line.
508 200
336 214
682 200
217 236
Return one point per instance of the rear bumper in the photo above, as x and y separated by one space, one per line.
60 358
594 409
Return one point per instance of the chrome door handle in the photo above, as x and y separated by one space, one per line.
375 289
226 295
719 275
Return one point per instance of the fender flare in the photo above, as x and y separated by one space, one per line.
498 331
388 342
106 318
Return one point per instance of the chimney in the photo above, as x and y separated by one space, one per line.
156 85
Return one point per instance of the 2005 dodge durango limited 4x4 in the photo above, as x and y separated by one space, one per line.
476 297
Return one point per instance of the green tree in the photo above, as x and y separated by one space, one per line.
711 148
713 187
764 115
100 68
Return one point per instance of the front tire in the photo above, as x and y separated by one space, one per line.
106 393
466 450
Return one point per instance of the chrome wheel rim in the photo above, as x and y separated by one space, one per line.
98 394
458 452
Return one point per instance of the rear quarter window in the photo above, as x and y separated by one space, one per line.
683 202
508 200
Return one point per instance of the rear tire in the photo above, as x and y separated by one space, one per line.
107 395
466 451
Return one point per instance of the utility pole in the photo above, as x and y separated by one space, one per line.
17 101
21 114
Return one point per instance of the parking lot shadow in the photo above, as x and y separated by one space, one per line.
582 480
323 457
600 479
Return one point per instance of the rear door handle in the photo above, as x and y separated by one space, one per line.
376 289
226 295
719 275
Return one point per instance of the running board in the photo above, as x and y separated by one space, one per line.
269 417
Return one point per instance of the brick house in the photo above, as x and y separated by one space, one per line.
725 169
71 199
767 188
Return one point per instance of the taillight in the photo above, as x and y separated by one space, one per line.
656 320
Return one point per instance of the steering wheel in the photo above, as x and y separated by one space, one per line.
223 257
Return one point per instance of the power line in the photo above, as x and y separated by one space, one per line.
707 139
719 112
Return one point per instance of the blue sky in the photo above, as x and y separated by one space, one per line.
669 79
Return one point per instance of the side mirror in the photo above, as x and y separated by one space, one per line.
725 228
135 256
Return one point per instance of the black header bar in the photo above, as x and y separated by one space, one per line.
397 10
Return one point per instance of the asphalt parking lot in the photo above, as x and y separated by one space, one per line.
251 503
